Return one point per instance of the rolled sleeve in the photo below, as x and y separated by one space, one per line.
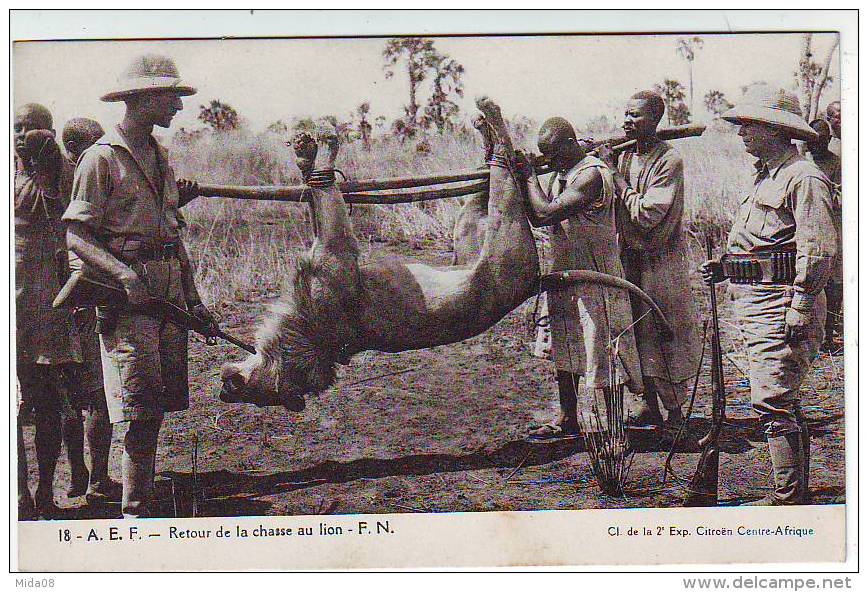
816 238
648 209
90 191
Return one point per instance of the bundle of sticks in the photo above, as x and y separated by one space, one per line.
431 187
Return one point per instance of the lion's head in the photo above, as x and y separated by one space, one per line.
297 348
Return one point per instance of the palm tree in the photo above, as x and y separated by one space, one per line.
687 48
421 58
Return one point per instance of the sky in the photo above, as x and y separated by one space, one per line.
577 77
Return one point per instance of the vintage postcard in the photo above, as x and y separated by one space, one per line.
354 299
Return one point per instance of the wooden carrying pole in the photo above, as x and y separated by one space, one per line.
354 190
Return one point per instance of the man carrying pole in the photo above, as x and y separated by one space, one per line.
587 321
649 185
47 346
779 257
124 222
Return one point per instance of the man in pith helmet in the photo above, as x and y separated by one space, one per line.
779 257
124 222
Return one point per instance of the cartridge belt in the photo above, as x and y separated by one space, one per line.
769 267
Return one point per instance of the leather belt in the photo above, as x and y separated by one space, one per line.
139 250
770 267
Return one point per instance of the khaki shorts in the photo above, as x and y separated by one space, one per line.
144 360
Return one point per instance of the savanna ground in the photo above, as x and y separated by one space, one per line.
435 430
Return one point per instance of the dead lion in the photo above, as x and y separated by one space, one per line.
338 307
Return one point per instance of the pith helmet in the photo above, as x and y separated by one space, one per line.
778 108
148 73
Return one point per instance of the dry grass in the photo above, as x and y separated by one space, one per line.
242 250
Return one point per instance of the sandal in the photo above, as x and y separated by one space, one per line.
552 431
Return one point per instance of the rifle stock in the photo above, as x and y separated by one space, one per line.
703 487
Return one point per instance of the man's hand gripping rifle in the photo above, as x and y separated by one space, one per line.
84 291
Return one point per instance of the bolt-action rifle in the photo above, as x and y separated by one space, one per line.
82 291
702 490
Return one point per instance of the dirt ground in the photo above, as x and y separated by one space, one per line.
442 430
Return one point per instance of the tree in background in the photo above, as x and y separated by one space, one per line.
303 125
715 102
521 128
672 92
420 57
363 125
441 111
278 127
185 137
687 47
219 116
599 125
401 130
343 129
813 77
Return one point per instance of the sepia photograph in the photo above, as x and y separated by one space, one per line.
399 275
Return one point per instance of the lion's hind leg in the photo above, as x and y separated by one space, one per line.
334 230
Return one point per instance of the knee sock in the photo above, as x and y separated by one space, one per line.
73 438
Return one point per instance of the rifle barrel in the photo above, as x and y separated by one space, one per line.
236 342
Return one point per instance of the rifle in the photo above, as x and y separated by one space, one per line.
703 490
172 313
84 291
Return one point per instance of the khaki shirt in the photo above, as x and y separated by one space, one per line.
114 195
791 205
